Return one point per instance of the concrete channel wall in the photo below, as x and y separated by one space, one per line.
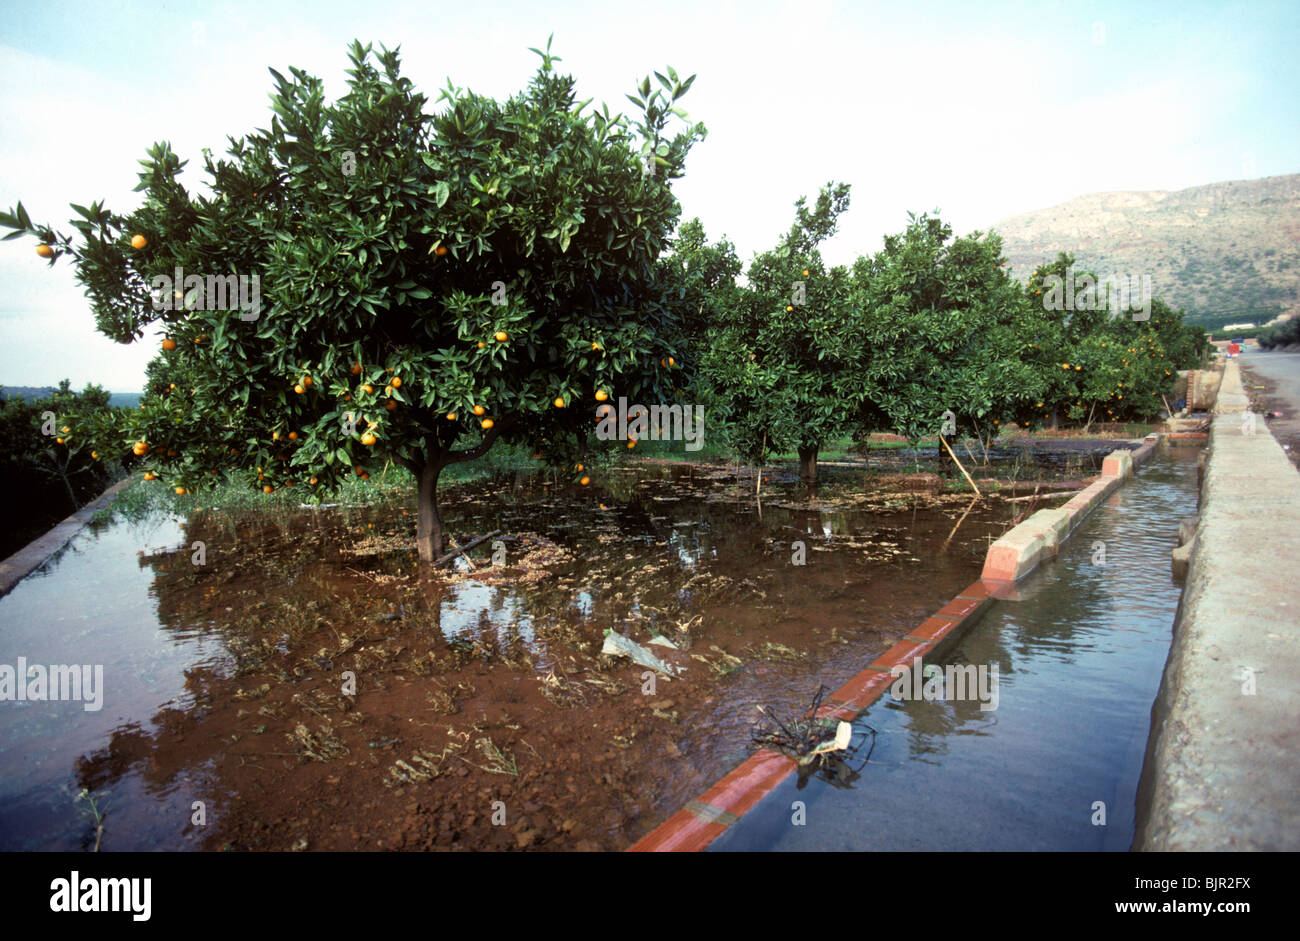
1009 559
33 555
1222 769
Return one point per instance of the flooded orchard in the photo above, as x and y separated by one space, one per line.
297 683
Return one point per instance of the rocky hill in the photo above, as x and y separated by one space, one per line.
1226 252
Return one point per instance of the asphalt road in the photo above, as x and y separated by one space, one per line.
1282 372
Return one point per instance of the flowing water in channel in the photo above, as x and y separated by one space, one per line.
1079 661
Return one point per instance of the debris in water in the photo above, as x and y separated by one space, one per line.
619 646
808 740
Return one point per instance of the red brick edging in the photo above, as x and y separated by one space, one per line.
707 817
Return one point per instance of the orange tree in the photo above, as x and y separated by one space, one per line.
1104 364
47 458
429 283
783 355
948 330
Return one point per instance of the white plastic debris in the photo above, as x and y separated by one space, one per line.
843 735
618 645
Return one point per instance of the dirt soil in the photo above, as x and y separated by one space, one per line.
365 705
1279 414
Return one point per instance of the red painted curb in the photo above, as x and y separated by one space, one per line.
741 789
683 832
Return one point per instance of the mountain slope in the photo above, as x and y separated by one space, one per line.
1227 252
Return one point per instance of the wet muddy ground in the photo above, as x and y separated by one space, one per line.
346 701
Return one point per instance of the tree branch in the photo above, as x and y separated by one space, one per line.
469 454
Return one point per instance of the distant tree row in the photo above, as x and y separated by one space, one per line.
928 332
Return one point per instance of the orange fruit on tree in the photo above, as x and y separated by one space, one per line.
451 416
312 481
595 347
365 475
180 491
501 336
395 382
368 389
44 251
356 369
299 389
788 308
357 471
94 455
440 250
663 362
367 439
486 423
139 241
169 344
275 436
481 344
559 402
390 405
293 436
632 443
671 361
585 481
58 440
150 475
267 489
479 410
805 272
601 395
306 381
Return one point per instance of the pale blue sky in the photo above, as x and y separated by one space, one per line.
981 110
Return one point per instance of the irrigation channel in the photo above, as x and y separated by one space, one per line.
1079 659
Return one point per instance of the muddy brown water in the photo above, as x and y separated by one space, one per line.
225 683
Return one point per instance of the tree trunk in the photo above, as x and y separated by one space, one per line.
808 465
428 531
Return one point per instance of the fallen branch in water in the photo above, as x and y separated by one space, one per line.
969 478
1047 495
468 546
